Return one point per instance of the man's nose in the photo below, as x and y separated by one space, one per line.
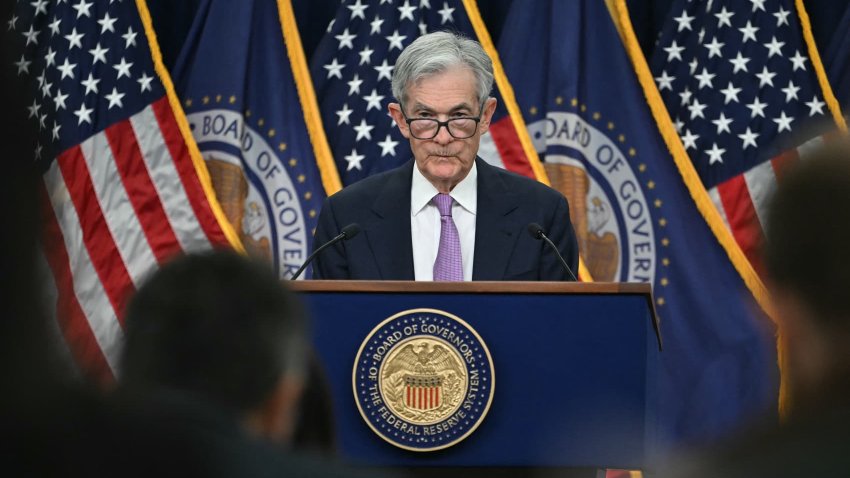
443 136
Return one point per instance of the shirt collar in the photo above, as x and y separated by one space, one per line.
464 193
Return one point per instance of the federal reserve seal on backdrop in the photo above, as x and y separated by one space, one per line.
423 380
589 162
257 189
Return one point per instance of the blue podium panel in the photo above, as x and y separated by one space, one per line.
574 369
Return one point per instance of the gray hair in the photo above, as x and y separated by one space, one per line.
437 52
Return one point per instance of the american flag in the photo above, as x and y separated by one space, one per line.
122 193
738 82
352 69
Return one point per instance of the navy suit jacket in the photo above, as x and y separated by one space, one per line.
504 250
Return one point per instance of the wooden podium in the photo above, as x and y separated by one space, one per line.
575 370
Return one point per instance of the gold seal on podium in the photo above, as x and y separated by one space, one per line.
423 380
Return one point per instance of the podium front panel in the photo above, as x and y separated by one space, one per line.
574 376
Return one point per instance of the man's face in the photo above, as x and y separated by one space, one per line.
444 160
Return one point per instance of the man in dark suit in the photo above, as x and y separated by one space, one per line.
446 214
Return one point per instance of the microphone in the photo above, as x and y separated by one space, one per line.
347 233
537 232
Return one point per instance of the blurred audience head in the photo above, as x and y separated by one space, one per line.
807 255
222 329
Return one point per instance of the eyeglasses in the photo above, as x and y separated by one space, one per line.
427 128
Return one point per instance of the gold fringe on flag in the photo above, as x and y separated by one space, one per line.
183 124
307 95
691 178
508 96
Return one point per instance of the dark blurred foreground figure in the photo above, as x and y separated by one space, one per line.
43 415
220 331
219 402
808 261
213 367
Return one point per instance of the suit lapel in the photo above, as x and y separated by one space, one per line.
389 237
496 226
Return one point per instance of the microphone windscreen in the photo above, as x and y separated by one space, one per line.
535 230
351 230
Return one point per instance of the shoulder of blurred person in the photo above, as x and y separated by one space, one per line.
174 433
315 430
807 257
815 445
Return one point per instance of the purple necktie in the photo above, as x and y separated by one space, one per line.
448 266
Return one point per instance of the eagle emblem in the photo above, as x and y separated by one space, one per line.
423 380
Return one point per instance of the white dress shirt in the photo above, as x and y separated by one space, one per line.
425 222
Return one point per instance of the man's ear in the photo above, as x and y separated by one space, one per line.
487 114
276 417
398 117
809 350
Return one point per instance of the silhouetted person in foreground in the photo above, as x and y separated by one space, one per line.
44 414
213 366
808 261
315 431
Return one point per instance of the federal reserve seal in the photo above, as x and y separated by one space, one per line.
608 206
258 189
423 380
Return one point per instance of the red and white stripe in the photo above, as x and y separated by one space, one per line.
117 206
742 201
502 147
422 397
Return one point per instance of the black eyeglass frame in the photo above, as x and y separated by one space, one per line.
441 124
